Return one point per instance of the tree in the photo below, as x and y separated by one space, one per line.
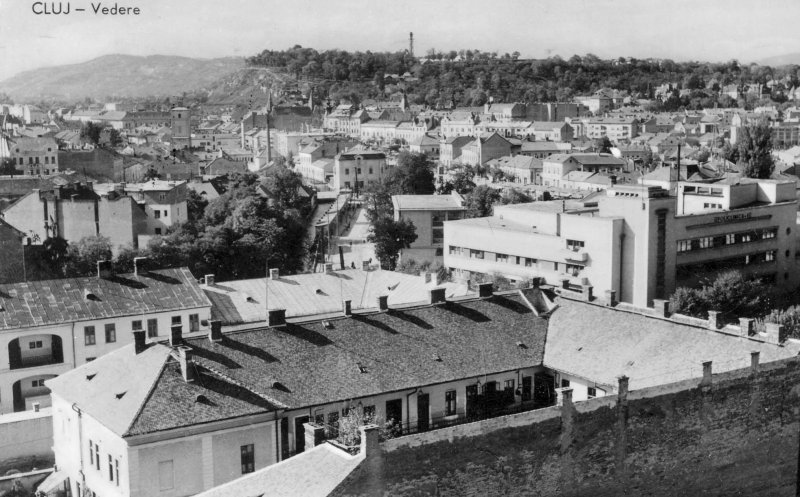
55 254
389 237
730 293
195 206
413 175
8 167
114 138
514 196
82 256
602 145
479 202
91 132
150 174
755 150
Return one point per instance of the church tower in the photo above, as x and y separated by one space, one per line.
181 124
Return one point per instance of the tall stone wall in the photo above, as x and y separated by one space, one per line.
730 434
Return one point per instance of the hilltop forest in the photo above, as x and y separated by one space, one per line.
471 77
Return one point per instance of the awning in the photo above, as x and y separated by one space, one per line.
53 482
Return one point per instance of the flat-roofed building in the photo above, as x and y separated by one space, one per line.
428 214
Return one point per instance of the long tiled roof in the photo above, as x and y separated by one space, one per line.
38 303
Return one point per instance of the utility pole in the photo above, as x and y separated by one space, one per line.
411 44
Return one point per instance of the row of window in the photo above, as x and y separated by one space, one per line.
89 336
35 160
157 214
358 171
702 190
94 461
573 269
690 270
706 242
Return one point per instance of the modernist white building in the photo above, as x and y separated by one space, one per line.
637 241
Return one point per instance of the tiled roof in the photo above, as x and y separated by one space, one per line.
427 202
601 343
516 162
38 303
243 301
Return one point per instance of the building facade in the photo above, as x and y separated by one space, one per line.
355 169
427 213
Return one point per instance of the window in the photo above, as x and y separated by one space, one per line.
91 453
502 257
450 403
152 328
591 392
111 333
575 244
509 386
90 359
110 468
88 335
564 383
136 325
248 458
37 383
166 213
176 320
369 413
166 475
370 170
574 269
530 262
358 170
476 254
116 469
194 322
157 214
97 456
162 196
346 171
37 344
158 231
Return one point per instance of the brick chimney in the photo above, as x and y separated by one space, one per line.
383 302
175 333
347 307
276 317
139 342
314 435
661 308
274 273
746 326
587 293
611 298
774 333
139 265
485 290
706 373
209 280
215 332
188 370
436 296
365 265
105 269
713 320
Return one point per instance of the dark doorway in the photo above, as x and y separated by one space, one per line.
284 438
300 434
472 401
423 412
19 400
544 390
527 388
394 415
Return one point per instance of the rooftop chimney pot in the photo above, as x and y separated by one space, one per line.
104 269
276 317
485 290
139 265
383 302
215 332
274 274
746 326
347 307
713 320
774 333
175 333
139 343
209 280
188 370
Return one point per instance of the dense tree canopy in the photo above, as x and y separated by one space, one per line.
754 147
730 293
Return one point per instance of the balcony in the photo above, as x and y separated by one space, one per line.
574 255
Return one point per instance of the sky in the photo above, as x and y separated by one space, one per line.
704 30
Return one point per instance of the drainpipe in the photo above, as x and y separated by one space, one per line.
621 265
80 442
74 359
277 437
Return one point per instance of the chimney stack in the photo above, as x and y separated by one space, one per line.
661 308
276 317
485 290
209 280
187 367
706 373
436 296
104 269
175 335
713 320
139 265
328 267
347 308
587 293
774 333
746 326
611 298
139 343
383 302
365 265
274 273
215 333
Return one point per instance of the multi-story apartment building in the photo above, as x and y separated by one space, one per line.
428 214
358 168
557 166
164 203
560 131
615 128
34 156
49 327
484 148
152 119
638 241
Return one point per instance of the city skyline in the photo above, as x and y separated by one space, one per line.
678 29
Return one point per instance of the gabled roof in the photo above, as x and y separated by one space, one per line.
516 162
39 303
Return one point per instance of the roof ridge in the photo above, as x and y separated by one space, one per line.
150 391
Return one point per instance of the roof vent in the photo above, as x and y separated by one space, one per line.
90 376
120 395
319 291
327 325
521 345
277 385
89 295
436 357
251 299
201 399
361 368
